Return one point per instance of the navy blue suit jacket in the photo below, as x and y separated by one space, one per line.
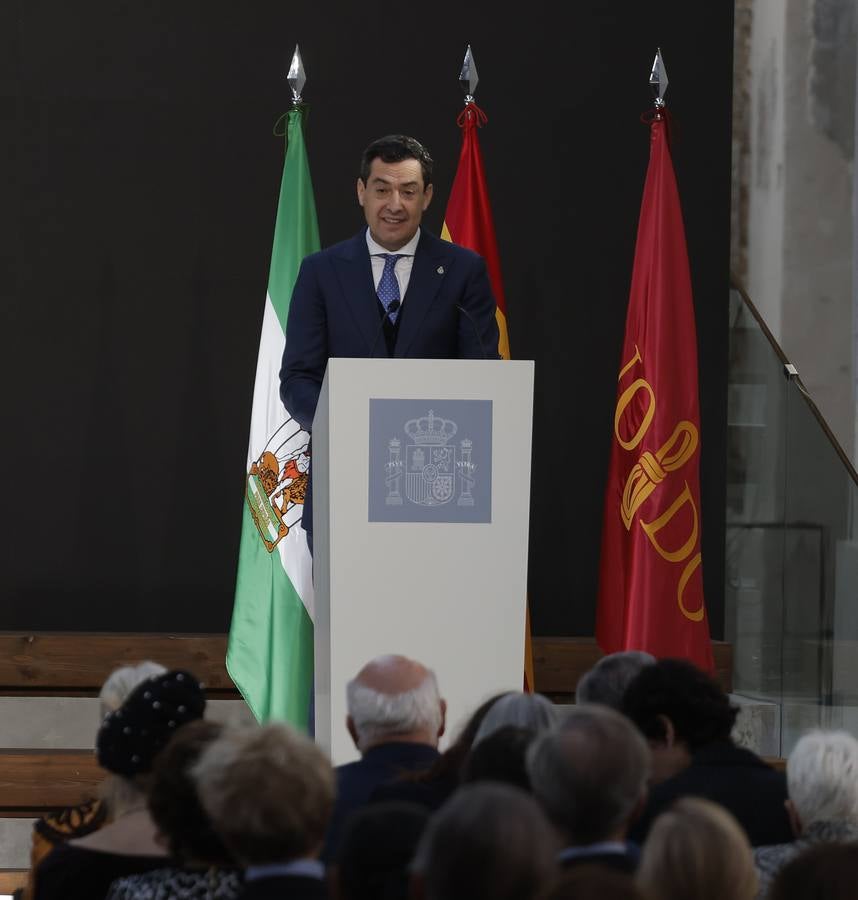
334 312
357 782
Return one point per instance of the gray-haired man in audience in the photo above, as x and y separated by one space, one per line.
607 681
395 717
590 776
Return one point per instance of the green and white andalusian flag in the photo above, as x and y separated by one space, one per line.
270 653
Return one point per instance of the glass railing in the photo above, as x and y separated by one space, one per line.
791 606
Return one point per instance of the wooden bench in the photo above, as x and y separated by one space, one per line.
70 664
12 879
77 663
558 663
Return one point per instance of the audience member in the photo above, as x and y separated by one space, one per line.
607 681
122 681
204 870
687 719
500 757
78 821
377 847
594 882
128 742
697 851
590 776
432 786
531 711
269 793
395 718
823 872
822 782
488 842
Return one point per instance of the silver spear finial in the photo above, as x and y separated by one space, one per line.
658 79
296 77
468 77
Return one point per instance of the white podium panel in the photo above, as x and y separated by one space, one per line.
446 582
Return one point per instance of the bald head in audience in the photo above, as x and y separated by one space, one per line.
394 698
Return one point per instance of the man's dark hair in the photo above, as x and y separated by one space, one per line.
394 148
696 705
488 842
375 853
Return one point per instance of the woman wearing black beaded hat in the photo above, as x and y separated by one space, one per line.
128 742
114 795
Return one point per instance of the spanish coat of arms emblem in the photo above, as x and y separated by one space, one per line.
430 464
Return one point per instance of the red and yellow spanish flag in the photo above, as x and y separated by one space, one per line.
468 222
650 584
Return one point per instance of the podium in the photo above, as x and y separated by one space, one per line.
421 502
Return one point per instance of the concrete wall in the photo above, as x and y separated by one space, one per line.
766 175
798 254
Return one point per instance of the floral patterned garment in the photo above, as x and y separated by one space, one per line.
178 884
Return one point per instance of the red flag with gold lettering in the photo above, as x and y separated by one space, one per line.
650 582
468 222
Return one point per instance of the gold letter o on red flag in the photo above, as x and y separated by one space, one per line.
623 402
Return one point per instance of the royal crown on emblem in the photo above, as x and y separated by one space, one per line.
431 429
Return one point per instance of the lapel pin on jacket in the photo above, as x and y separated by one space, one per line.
440 270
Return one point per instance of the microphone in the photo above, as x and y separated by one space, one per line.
394 306
470 318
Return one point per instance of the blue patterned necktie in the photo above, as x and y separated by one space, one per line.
388 286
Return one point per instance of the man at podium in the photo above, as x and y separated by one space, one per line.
393 290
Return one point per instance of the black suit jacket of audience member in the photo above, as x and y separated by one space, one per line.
357 781
285 887
736 779
70 872
431 793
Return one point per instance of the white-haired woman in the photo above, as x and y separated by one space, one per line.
822 782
